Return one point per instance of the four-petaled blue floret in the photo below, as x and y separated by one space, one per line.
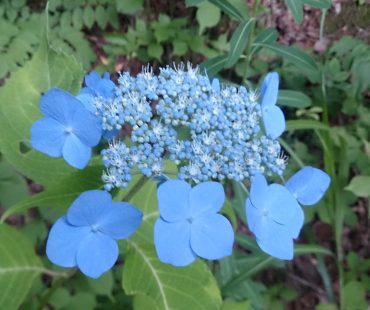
68 129
189 225
274 214
86 236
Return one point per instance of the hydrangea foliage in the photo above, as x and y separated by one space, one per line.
211 131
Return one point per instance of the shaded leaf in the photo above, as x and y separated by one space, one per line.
294 99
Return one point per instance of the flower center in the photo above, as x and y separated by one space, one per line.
265 212
94 228
68 130
190 220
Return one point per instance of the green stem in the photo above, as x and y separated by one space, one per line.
334 192
322 23
135 189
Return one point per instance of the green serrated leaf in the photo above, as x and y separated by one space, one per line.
129 6
179 47
228 8
239 41
360 186
19 266
19 108
208 15
155 51
89 16
321 4
101 16
296 8
294 99
77 18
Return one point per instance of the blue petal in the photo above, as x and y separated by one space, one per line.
76 153
308 185
59 105
277 242
86 126
110 134
296 223
254 216
216 85
48 136
87 100
97 254
258 190
273 120
270 89
173 200
212 236
205 198
172 242
106 75
119 220
92 79
64 241
105 88
89 207
280 204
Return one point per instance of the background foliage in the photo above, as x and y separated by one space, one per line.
325 94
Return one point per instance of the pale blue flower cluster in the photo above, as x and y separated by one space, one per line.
210 131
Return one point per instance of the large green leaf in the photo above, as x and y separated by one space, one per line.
60 195
19 266
239 41
19 108
192 287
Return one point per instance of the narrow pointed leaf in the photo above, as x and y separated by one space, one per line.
213 66
294 99
320 4
239 41
294 55
228 8
296 8
268 35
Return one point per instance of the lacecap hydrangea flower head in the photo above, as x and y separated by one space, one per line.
211 131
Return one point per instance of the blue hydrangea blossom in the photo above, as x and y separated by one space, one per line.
86 236
189 225
68 129
274 214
